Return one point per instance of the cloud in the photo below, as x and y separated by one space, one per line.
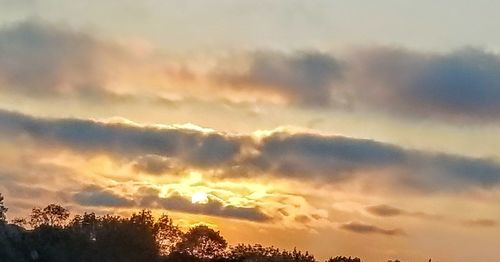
212 208
304 156
480 223
389 211
334 158
385 211
459 85
46 61
154 164
303 219
329 156
370 229
148 198
40 59
95 196
304 78
123 140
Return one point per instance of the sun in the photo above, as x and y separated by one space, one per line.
199 198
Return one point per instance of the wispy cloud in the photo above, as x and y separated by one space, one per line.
49 61
390 211
361 228
214 207
484 222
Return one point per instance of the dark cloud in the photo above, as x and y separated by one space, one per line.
22 191
212 208
40 59
385 211
309 157
335 158
389 211
370 229
154 164
303 219
305 78
95 196
460 85
196 148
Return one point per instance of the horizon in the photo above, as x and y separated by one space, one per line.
354 128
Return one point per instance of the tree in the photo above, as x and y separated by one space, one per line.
125 239
19 221
52 215
167 234
202 242
258 253
85 224
344 259
143 218
3 210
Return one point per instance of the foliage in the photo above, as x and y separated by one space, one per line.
52 215
167 235
202 242
343 259
3 210
259 253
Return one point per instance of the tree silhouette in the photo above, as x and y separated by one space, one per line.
124 240
19 221
3 210
259 253
344 259
167 234
52 215
86 225
140 237
202 242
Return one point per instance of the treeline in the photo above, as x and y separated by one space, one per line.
49 235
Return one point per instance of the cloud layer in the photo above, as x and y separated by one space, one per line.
334 158
45 60
302 156
123 140
459 85
462 85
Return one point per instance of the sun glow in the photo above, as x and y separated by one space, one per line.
199 198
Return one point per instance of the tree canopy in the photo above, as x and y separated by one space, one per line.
49 235
3 210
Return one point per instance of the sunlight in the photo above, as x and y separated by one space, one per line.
199 198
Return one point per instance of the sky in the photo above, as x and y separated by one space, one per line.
357 128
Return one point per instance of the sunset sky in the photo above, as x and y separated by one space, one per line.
351 127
